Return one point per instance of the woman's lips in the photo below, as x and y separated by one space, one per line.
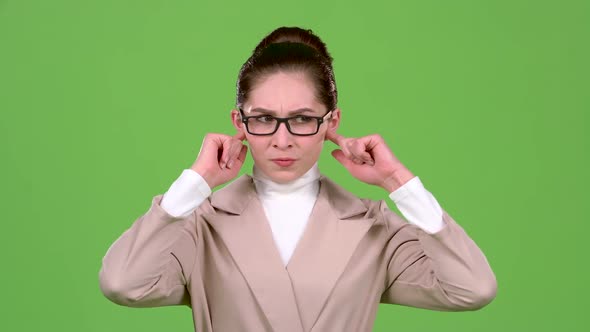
284 162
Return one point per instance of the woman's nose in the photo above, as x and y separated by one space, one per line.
282 138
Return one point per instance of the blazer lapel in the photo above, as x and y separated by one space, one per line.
329 240
247 235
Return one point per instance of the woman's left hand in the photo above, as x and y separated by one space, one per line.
370 160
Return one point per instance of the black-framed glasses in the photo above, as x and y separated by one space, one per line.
300 125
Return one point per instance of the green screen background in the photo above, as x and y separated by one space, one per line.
104 103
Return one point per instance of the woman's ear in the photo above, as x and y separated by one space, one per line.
334 121
237 120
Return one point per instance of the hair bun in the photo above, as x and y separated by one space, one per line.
295 35
291 49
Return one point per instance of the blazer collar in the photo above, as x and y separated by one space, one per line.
292 297
236 196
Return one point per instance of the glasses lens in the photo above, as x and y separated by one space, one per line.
261 125
303 125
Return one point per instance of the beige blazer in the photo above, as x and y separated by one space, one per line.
355 253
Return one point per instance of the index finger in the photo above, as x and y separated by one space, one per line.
241 135
334 137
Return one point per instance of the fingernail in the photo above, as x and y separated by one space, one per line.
230 163
223 164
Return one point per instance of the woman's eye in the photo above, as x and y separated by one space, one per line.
303 119
264 118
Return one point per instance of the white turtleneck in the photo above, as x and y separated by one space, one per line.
288 205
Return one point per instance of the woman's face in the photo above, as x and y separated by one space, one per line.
281 94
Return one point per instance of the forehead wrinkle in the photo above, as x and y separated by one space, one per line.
280 92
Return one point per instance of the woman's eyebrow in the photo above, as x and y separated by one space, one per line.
273 113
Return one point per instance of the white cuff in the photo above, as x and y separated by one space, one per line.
185 194
418 205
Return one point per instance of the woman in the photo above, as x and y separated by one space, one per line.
286 248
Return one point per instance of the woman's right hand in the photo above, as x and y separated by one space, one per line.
220 158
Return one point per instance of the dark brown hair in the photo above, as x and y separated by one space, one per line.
290 49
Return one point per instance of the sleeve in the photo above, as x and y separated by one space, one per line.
418 205
150 263
443 271
185 194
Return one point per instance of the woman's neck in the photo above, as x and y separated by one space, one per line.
307 184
